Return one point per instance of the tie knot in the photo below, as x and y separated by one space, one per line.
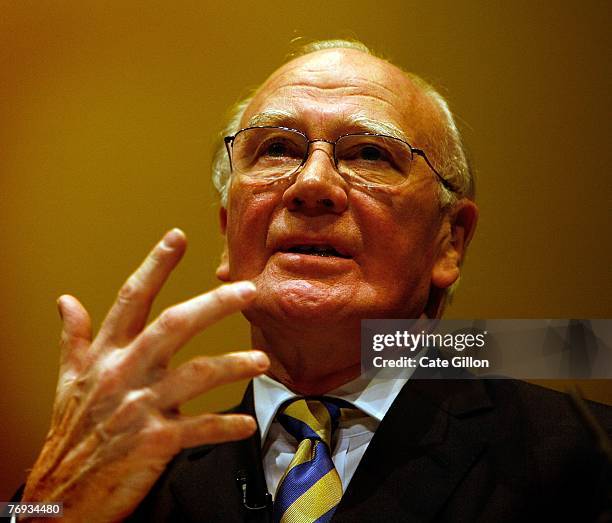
312 419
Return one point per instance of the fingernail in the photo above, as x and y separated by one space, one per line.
59 307
173 238
249 422
260 359
245 289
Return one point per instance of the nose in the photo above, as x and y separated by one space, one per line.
318 187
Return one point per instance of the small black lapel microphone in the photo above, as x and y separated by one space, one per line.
242 479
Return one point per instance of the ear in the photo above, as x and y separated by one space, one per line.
223 272
460 224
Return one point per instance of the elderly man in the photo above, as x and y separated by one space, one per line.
345 195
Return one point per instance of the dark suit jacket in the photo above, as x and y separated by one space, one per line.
470 450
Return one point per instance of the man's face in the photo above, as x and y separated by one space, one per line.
391 240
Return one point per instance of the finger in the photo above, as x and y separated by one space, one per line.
206 429
176 325
76 328
204 373
130 311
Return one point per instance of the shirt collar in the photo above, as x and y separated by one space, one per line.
373 396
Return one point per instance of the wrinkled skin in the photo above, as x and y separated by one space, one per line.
400 244
116 423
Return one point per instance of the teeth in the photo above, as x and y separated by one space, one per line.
315 250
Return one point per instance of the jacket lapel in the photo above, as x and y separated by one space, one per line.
423 447
434 431
212 486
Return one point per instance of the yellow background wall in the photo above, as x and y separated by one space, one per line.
108 112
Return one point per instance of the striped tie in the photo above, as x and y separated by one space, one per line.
310 489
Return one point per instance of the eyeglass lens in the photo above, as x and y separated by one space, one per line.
270 153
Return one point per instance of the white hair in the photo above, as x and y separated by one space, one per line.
449 156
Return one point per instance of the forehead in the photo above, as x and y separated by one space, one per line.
322 92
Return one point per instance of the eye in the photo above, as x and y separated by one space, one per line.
279 148
276 149
371 153
367 152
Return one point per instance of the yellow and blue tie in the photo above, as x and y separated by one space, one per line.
310 489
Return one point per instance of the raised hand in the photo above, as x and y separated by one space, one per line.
116 422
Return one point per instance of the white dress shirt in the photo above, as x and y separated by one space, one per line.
372 397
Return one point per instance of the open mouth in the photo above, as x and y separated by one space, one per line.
317 250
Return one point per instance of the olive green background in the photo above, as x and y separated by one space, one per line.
108 113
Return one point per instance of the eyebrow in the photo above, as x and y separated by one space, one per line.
359 122
272 117
368 125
